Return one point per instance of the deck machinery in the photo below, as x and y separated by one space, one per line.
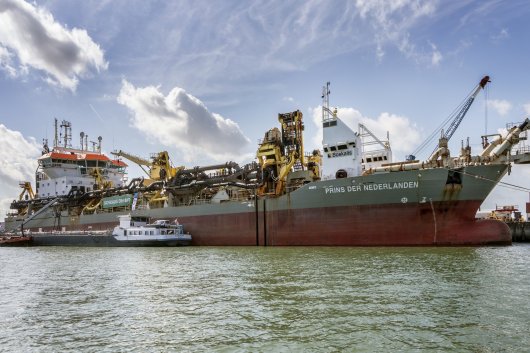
283 165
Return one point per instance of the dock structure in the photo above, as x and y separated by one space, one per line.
520 231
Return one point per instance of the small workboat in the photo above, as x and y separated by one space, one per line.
136 231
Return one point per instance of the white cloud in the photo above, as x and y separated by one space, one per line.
32 35
6 62
18 162
526 108
436 56
503 34
379 52
293 36
391 23
404 135
501 106
183 121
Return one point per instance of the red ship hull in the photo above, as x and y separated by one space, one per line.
377 225
439 224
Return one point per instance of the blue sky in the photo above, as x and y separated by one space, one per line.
205 80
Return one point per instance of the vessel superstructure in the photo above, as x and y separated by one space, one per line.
333 196
63 170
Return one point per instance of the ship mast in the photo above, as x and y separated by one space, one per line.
325 105
64 139
55 138
67 138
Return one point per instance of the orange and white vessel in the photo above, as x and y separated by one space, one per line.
64 170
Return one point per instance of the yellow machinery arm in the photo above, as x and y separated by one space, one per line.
284 171
138 160
26 188
160 167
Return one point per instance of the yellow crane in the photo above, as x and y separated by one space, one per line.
159 167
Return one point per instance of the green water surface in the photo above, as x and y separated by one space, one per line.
255 299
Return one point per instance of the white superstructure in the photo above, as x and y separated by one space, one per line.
64 169
342 157
348 153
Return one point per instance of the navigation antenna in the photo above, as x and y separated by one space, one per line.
325 105
67 138
55 137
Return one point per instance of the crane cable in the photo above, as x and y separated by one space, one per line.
449 118
486 94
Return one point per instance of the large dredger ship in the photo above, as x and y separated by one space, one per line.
345 194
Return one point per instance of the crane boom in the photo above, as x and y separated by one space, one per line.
132 157
458 118
159 167
454 119
138 160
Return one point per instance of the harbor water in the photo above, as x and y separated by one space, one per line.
255 299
